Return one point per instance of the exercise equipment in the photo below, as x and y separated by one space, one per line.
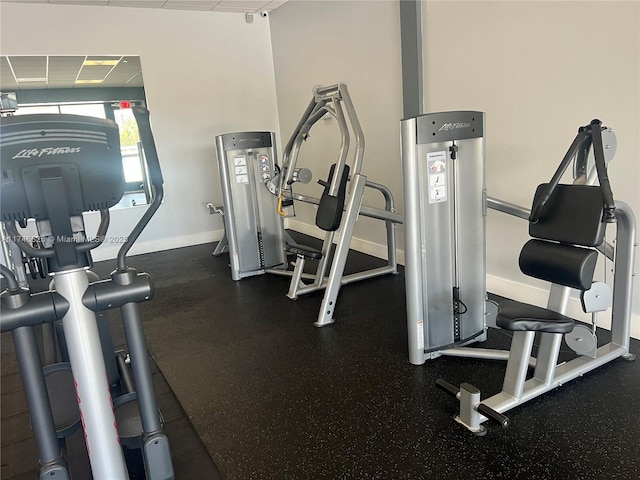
54 168
567 223
443 160
254 228
254 232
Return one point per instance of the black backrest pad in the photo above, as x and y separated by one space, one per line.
330 208
572 215
566 265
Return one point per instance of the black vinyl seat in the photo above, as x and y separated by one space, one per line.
516 316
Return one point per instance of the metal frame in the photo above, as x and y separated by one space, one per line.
548 374
253 211
336 101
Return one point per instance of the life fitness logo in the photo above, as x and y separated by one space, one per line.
40 152
454 126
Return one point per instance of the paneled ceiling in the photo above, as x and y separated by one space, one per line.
238 6
36 72
30 72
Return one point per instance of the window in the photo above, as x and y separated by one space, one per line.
88 109
29 110
130 147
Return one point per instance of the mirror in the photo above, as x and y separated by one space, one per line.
103 86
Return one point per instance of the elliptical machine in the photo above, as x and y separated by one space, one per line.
54 168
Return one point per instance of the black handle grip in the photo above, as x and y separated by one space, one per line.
601 167
493 415
447 387
141 115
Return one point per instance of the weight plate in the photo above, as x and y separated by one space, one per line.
581 340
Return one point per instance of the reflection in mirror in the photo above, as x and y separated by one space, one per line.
96 86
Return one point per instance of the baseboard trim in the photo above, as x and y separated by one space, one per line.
110 251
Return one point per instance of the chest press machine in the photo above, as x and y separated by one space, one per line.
256 192
567 223
54 168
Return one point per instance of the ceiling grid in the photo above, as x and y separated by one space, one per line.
233 6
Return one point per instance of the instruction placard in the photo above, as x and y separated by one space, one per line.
437 176
240 167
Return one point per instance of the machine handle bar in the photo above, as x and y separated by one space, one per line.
447 387
485 410
141 115
489 412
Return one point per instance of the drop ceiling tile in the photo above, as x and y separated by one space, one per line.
137 3
273 4
233 10
7 80
125 72
93 73
104 58
191 4
29 67
215 5
81 2
249 5
63 70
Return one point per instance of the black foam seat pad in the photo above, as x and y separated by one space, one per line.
517 316
305 251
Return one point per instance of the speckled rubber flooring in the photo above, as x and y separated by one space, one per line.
273 397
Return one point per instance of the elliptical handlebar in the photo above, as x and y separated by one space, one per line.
10 278
141 115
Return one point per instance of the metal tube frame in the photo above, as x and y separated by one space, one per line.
51 460
94 398
335 100
319 280
548 374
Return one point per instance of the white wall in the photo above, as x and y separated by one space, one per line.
539 70
356 43
223 82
